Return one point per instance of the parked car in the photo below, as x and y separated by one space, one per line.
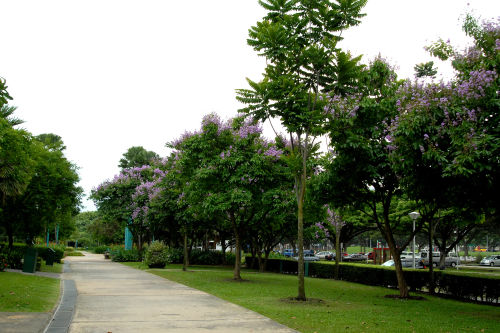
370 255
493 260
288 253
325 255
355 257
449 261
405 263
407 254
308 257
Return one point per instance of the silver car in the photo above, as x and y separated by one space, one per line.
493 260
308 257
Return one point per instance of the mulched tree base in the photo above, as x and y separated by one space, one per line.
415 298
294 300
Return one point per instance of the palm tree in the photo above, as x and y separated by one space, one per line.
6 112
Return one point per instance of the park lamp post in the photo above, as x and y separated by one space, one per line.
414 216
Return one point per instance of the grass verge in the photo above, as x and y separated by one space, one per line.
336 305
27 293
56 268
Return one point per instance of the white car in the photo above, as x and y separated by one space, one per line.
325 255
308 257
493 260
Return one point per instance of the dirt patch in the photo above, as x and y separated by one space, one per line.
414 298
237 281
309 301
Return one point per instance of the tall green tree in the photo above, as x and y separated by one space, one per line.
298 40
136 157
17 168
52 196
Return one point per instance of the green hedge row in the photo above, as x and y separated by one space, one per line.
463 287
15 255
199 257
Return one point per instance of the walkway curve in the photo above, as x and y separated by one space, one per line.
116 298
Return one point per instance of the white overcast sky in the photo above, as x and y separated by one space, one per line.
106 75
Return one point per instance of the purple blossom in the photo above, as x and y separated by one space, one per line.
273 152
249 128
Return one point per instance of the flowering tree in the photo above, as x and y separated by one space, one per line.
231 175
446 139
114 199
362 175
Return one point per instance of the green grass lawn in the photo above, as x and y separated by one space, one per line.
27 293
336 305
56 268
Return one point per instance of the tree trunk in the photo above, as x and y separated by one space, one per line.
261 264
337 254
442 256
300 238
185 262
402 285
466 250
431 262
237 262
223 249
266 257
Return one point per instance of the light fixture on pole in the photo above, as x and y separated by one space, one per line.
414 216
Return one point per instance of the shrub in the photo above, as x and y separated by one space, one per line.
100 249
156 255
14 256
200 257
3 262
44 253
176 255
119 254
479 257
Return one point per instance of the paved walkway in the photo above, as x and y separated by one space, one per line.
115 298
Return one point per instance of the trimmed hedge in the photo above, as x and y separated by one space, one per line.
15 255
119 254
199 257
462 287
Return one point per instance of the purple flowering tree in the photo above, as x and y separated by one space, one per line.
114 199
446 139
362 176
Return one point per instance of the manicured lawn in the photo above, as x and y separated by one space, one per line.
336 306
27 293
56 268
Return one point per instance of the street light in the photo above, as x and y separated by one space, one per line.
414 216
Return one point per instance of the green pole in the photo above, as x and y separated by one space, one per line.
57 234
47 238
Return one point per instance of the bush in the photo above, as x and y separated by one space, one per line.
119 254
100 249
3 262
14 256
199 257
44 252
156 255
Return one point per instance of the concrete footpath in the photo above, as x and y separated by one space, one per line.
111 297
